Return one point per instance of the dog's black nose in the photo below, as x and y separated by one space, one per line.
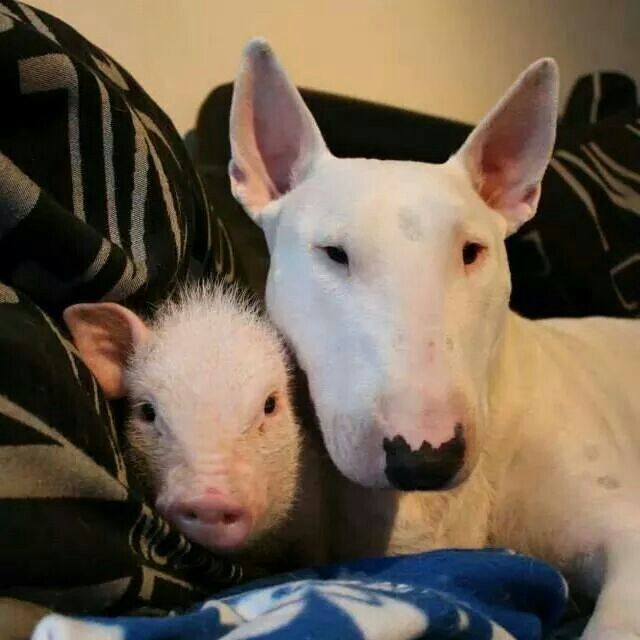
426 469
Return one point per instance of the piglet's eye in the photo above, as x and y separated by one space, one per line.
147 412
270 405
337 254
471 252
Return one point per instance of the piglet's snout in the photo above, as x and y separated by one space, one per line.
213 520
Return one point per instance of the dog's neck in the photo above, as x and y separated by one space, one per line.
512 378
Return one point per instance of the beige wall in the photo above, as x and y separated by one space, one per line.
449 57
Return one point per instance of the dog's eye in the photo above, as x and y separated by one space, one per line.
270 404
147 412
471 252
337 254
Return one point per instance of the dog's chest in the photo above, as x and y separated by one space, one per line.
375 523
577 457
425 521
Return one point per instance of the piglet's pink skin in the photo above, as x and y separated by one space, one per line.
211 420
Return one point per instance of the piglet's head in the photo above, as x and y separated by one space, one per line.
211 422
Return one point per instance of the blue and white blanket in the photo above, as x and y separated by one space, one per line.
442 594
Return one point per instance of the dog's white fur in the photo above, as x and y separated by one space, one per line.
409 340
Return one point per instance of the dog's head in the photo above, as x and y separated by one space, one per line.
390 279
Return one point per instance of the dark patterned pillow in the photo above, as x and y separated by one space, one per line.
98 197
98 201
581 254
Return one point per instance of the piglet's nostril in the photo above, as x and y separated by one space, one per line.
230 517
426 468
187 515
211 509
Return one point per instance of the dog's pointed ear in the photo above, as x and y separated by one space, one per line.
106 334
274 138
507 154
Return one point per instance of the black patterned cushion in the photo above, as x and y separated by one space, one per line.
580 255
98 201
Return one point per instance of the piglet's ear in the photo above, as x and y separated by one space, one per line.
274 138
105 334
508 152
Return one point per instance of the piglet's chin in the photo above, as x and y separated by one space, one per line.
228 539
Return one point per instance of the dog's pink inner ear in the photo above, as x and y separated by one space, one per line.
273 136
505 178
507 154
279 131
105 334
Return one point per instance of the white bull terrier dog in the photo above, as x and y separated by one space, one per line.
390 281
